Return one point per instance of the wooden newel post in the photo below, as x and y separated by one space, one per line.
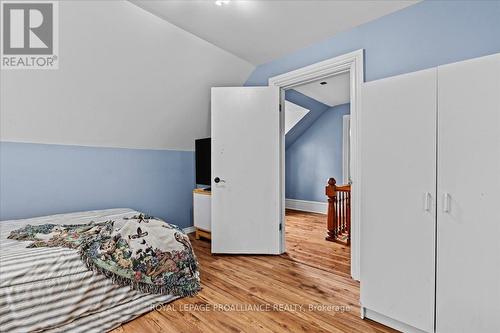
331 193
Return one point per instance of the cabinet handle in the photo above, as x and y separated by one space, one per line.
446 202
427 201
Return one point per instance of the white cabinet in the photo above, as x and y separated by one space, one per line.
430 227
202 212
468 247
399 183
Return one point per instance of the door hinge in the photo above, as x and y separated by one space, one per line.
281 226
280 107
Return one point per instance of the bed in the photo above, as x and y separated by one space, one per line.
49 289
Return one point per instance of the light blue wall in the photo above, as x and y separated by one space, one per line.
315 108
421 36
39 179
315 156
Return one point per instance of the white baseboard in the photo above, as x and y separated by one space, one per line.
393 323
307 206
189 230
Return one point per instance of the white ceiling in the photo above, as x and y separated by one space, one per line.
260 31
148 87
336 90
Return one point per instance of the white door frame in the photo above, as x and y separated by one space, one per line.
346 149
352 63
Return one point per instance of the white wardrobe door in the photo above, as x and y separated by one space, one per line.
398 167
468 237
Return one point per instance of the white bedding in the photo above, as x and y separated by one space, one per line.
50 289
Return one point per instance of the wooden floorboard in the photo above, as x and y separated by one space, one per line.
313 272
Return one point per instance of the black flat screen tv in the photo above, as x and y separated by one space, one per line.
203 158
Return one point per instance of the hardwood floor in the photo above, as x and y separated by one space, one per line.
305 243
310 283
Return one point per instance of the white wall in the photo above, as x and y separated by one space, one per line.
126 78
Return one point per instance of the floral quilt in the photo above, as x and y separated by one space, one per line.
145 253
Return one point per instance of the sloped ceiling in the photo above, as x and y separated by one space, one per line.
126 79
137 78
260 31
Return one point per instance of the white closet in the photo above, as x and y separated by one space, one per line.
430 222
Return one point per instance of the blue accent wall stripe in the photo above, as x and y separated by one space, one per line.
41 179
424 35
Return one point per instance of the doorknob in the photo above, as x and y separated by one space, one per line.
218 180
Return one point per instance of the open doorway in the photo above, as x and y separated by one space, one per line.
317 151
351 66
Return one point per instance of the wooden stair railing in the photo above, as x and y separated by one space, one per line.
339 212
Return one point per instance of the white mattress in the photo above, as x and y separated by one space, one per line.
50 289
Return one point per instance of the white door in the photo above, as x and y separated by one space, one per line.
398 168
246 184
468 234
